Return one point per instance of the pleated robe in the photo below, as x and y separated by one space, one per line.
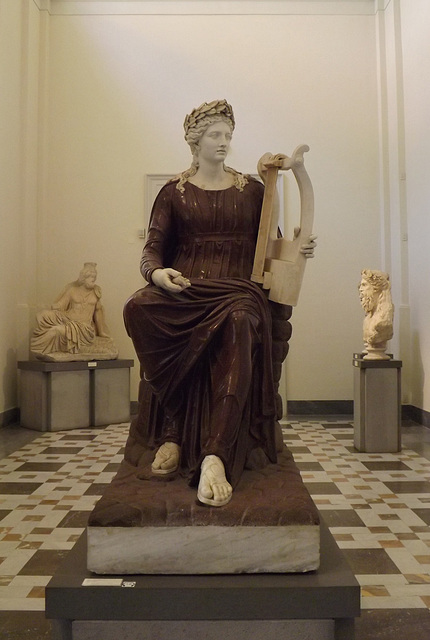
185 341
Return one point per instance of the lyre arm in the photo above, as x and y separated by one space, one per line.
268 167
279 264
305 189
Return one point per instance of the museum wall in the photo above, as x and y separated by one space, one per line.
119 88
99 105
19 108
415 21
9 193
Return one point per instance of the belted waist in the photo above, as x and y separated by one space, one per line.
215 237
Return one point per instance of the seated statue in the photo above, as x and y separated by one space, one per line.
375 298
201 329
74 328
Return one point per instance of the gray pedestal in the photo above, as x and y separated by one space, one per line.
377 405
57 396
319 605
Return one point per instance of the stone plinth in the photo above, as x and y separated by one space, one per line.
320 604
377 405
147 525
57 396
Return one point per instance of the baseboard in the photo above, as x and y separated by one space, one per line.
294 407
134 406
320 407
9 417
416 415
346 407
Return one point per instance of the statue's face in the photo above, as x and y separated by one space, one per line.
367 295
90 279
214 144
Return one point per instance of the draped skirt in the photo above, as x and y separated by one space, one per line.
207 378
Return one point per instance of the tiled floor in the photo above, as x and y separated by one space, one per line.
376 505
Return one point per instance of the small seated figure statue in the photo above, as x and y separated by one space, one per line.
74 328
375 298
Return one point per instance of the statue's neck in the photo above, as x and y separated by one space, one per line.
212 176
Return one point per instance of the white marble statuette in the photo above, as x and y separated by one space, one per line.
74 329
375 298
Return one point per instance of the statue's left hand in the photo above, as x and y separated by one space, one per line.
308 248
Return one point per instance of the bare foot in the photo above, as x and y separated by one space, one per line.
166 459
213 486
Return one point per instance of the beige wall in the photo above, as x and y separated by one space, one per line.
119 89
10 51
111 109
19 112
415 20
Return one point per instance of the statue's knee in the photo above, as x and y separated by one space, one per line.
243 324
238 317
59 329
129 307
135 302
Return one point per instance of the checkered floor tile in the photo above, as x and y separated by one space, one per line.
377 507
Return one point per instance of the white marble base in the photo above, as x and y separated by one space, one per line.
203 549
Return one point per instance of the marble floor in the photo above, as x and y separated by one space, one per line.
377 507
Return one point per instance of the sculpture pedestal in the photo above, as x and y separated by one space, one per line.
146 524
377 405
56 396
319 605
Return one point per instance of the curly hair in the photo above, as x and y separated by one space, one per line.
379 280
195 125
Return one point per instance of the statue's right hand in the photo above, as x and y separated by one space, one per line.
170 280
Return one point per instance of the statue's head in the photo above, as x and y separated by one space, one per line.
88 274
372 287
200 119
195 125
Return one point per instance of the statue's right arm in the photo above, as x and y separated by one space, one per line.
63 301
159 237
160 242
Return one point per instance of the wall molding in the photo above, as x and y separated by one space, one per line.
42 5
210 7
